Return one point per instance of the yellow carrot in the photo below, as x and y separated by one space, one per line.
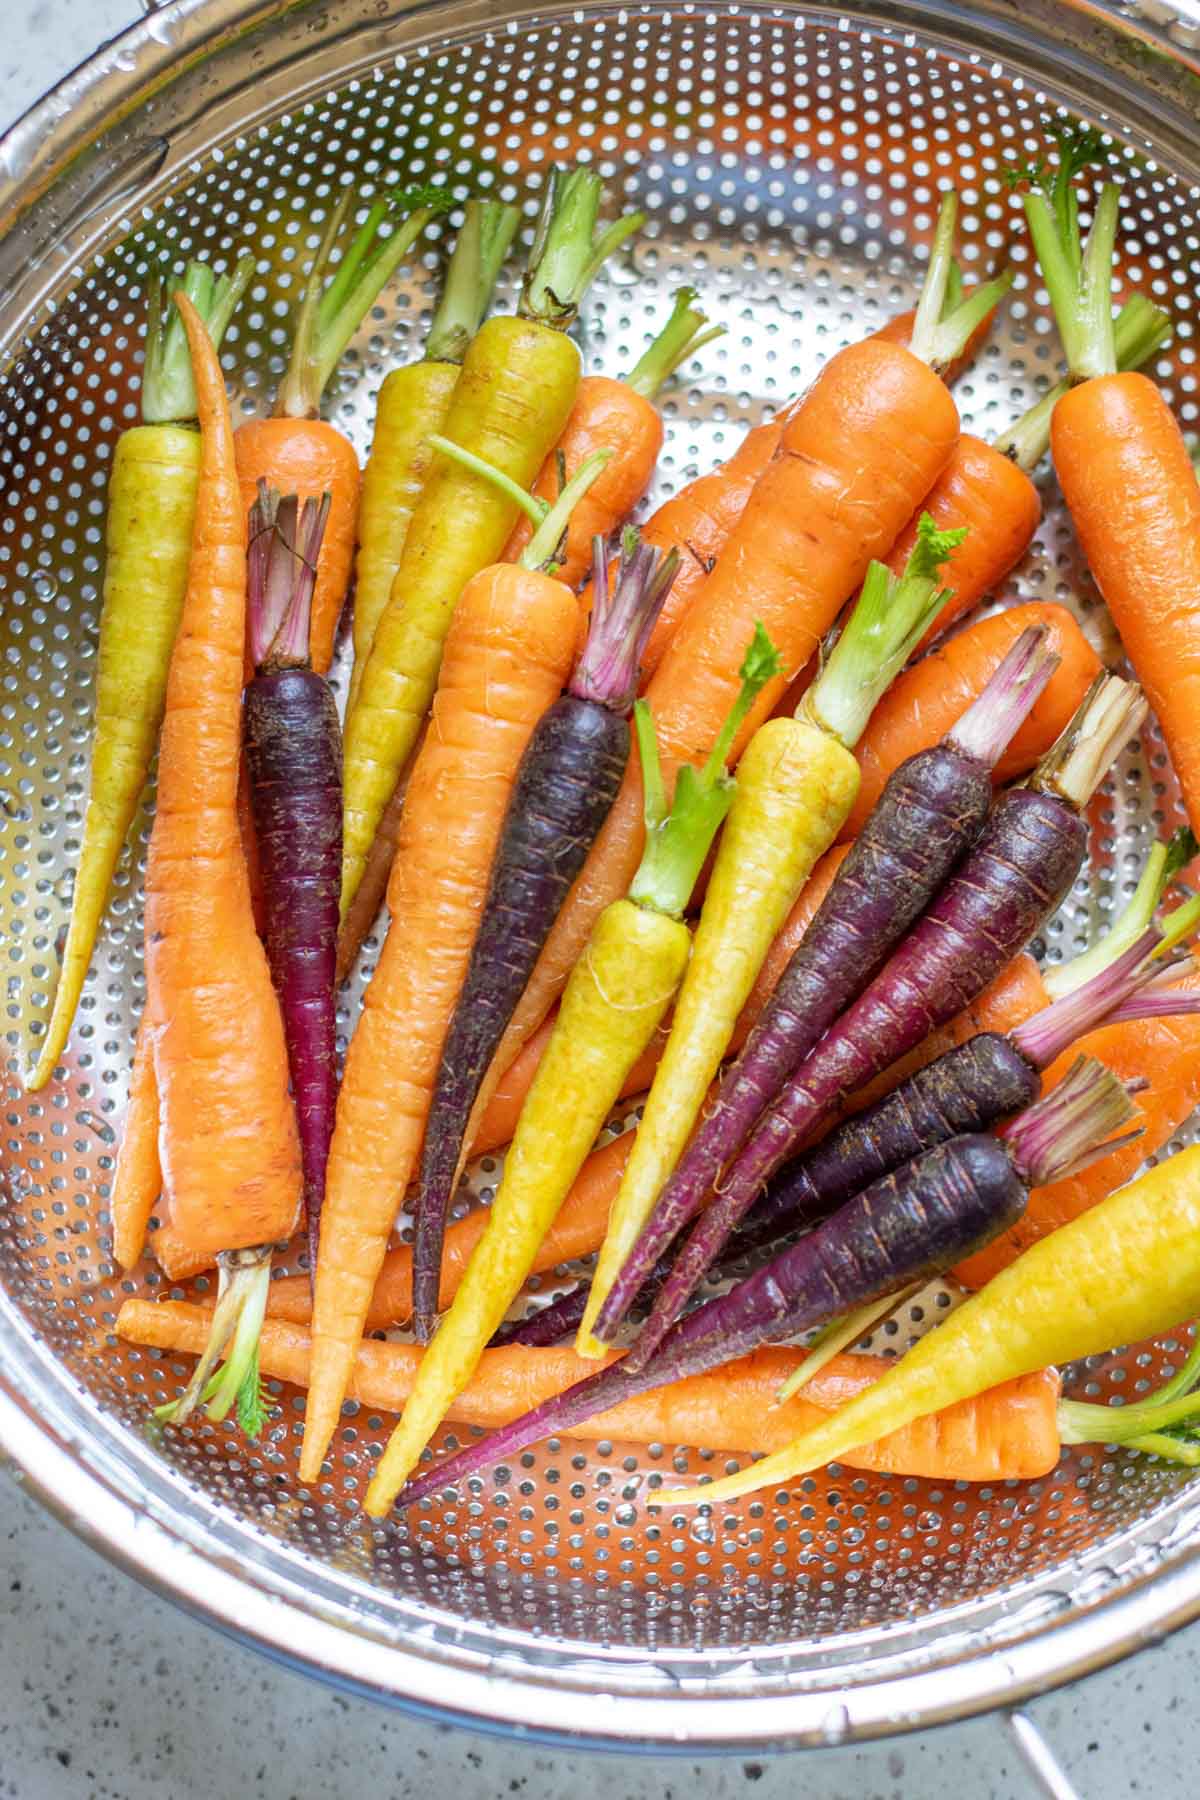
510 405
148 542
612 1005
413 403
1126 1271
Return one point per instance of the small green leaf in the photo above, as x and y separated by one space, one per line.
252 1404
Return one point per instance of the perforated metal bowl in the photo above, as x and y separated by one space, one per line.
789 159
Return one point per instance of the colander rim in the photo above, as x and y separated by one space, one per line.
34 151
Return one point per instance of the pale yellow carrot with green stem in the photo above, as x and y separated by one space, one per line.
797 780
513 398
611 1007
413 403
148 543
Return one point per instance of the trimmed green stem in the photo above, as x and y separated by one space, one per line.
682 336
168 391
942 327
1142 1424
549 521
487 232
1162 865
329 319
567 253
891 616
1139 332
1109 714
1079 283
677 841
245 1277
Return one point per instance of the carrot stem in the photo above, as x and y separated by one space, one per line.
285 542
682 336
329 319
678 841
567 254
1059 1134
624 611
891 617
1109 714
1162 865
1139 332
940 330
245 1277
550 522
168 389
1147 1424
1078 277
484 240
834 1337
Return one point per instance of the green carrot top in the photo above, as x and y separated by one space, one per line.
890 617
1078 274
1163 864
334 305
569 248
685 332
945 321
549 521
487 232
679 836
168 391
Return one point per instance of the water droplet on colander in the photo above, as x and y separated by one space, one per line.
702 1530
625 1514
929 1521
44 586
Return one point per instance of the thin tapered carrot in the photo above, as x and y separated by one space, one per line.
508 652
137 1177
1010 1433
297 452
148 542
856 456
227 1132
619 416
1125 1271
923 704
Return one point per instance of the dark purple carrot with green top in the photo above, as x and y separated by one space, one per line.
930 813
1017 875
903 1229
568 779
294 755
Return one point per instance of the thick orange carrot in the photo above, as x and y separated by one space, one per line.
1134 500
856 456
1166 1052
1008 1433
227 1134
923 704
137 1178
308 457
509 650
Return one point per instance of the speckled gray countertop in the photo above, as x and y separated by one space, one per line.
107 1693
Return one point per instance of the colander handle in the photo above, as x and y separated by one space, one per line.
1039 1759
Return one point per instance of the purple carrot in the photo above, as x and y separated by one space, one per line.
563 1317
931 811
294 757
903 1229
567 781
1018 874
970 1088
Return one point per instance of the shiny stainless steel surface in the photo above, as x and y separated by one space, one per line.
791 159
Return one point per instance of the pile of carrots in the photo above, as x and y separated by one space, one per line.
738 808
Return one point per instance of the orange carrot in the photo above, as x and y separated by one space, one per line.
137 1178
1134 500
1007 1433
856 456
508 653
923 704
227 1134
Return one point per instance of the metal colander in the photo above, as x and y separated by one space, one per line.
790 161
